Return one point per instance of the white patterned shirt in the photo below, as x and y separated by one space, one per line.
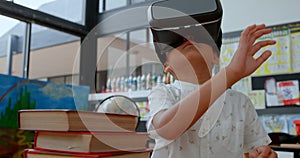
229 127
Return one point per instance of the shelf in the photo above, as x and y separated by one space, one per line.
258 82
280 110
142 96
135 95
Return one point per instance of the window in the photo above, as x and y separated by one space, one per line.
60 80
11 46
70 79
52 54
105 5
137 1
144 56
46 37
113 4
59 8
115 63
101 6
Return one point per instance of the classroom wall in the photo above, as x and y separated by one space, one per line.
237 14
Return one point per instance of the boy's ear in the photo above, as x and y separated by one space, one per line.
167 68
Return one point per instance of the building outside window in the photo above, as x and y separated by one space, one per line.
12 32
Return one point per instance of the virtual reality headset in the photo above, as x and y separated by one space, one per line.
172 21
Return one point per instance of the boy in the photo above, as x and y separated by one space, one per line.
198 116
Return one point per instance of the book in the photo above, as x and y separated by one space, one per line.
275 123
33 153
288 92
87 142
72 120
257 97
291 125
18 93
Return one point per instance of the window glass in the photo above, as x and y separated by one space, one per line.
105 5
125 66
59 8
139 36
60 80
45 37
73 79
101 6
111 59
113 4
52 54
145 57
11 45
137 1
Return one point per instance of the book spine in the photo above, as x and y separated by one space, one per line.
53 153
115 152
77 155
35 139
19 124
25 153
93 133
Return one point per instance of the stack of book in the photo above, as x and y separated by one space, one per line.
75 134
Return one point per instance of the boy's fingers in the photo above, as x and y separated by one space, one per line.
266 152
244 38
257 46
246 32
259 34
253 153
253 32
262 32
271 155
263 57
249 29
257 28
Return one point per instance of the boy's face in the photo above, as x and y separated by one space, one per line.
190 56
167 40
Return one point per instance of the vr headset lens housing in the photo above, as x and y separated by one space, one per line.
171 27
166 40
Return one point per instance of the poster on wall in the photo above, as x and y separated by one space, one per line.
281 93
280 60
275 123
19 93
295 50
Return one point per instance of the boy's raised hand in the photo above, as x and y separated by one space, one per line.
243 62
262 152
